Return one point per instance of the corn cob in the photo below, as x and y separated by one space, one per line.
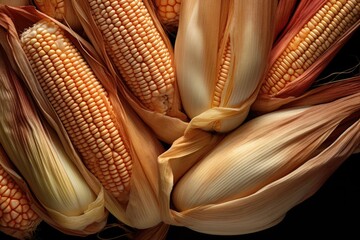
138 51
53 8
61 10
81 103
317 35
168 12
17 218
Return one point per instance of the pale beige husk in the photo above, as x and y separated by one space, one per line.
166 127
247 180
204 31
141 210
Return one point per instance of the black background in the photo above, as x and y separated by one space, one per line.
333 212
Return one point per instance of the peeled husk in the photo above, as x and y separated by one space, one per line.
303 13
210 184
140 209
205 30
166 127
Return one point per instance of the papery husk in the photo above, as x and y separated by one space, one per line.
158 232
205 29
275 192
166 127
263 149
15 2
9 168
141 210
321 94
63 197
303 13
284 11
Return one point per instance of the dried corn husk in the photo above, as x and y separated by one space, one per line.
166 127
324 93
141 209
217 96
303 13
247 181
284 10
15 2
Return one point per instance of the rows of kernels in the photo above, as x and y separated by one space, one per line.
137 50
168 11
81 103
53 8
327 25
15 211
222 75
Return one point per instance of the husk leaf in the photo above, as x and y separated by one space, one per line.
204 32
321 94
251 206
15 2
283 13
255 156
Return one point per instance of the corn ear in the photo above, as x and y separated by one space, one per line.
37 152
168 12
17 218
61 10
268 165
140 56
140 208
221 54
314 35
